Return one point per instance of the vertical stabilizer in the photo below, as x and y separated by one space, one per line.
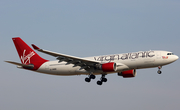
27 55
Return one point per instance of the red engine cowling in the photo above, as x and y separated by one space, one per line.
109 67
128 73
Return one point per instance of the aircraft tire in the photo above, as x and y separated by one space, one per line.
159 72
104 79
87 79
92 76
99 82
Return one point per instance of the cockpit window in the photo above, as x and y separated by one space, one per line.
170 53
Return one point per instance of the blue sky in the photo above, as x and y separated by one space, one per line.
88 28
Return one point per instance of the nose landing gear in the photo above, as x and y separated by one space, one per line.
159 71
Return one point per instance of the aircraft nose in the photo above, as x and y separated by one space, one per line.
176 57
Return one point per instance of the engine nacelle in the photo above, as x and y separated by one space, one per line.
128 73
108 67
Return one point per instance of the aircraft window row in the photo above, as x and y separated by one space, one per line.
170 53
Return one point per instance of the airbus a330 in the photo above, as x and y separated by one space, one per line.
124 65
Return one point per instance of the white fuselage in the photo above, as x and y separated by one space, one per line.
126 61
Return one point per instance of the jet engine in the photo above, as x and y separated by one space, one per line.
107 67
128 73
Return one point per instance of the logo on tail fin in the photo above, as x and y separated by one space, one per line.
26 58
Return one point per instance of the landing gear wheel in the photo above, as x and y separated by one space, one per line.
87 79
104 79
159 72
99 82
92 76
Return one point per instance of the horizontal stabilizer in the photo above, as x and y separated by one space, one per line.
19 64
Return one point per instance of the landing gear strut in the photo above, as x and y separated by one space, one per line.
91 76
103 79
159 71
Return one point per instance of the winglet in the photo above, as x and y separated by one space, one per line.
35 47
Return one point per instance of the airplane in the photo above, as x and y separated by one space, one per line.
124 65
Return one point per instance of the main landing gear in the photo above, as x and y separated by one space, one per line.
103 79
159 70
91 76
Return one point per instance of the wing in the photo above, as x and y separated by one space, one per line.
82 62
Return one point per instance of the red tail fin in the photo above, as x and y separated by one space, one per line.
26 54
